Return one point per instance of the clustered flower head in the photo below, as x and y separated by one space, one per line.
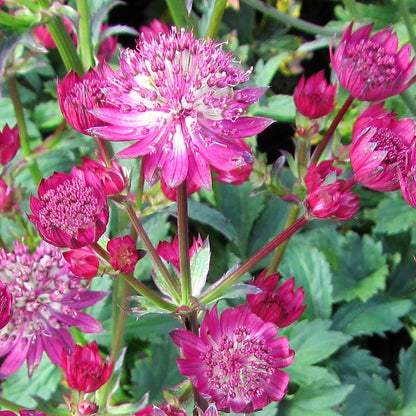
235 360
47 300
71 209
371 68
175 97
84 368
124 254
380 147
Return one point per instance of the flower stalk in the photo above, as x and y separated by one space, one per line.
85 44
216 17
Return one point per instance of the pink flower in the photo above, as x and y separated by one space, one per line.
72 210
329 197
84 369
107 47
124 254
83 262
161 410
9 199
5 305
86 407
174 96
77 96
282 306
314 98
370 68
235 361
407 177
380 146
155 28
23 412
114 178
9 143
47 300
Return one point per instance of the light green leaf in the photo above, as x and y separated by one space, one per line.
280 107
200 268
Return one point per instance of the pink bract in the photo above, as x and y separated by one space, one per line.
84 369
174 96
47 300
380 147
371 68
83 262
5 305
282 306
407 178
235 361
71 210
9 143
314 98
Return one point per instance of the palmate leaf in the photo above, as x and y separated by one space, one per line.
407 368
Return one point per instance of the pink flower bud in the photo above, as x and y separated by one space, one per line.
314 98
9 199
86 408
83 262
9 143
124 254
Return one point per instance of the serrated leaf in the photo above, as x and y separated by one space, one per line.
200 267
407 368
311 270
264 72
372 317
47 116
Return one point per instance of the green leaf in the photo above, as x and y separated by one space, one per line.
372 396
407 368
264 72
280 107
200 267
372 317
311 270
47 116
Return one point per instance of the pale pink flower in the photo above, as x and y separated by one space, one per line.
235 361
282 306
174 96
47 300
72 209
9 143
371 68
84 368
380 146
314 98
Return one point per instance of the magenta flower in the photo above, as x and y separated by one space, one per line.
83 262
84 369
235 361
407 177
328 197
72 210
77 96
174 96
380 147
86 407
5 305
282 306
9 199
315 98
9 143
370 68
47 300
124 254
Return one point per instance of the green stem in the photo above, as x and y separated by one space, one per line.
216 17
300 24
136 284
215 290
7 404
405 14
352 8
169 280
280 251
84 40
140 186
104 151
178 12
183 239
409 100
24 137
328 134
63 42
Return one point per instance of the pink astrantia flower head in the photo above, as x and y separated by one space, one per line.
83 262
9 143
84 368
71 209
9 199
371 68
407 177
5 305
174 96
282 306
235 361
124 254
77 96
314 98
328 197
47 300
380 145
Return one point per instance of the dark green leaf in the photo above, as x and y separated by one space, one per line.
407 368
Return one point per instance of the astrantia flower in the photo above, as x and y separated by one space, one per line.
83 262
174 96
235 361
47 299
407 177
371 68
282 306
9 199
9 143
161 410
84 369
72 210
86 408
380 146
328 197
5 305
123 253
314 98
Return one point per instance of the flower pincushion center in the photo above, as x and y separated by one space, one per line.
386 141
